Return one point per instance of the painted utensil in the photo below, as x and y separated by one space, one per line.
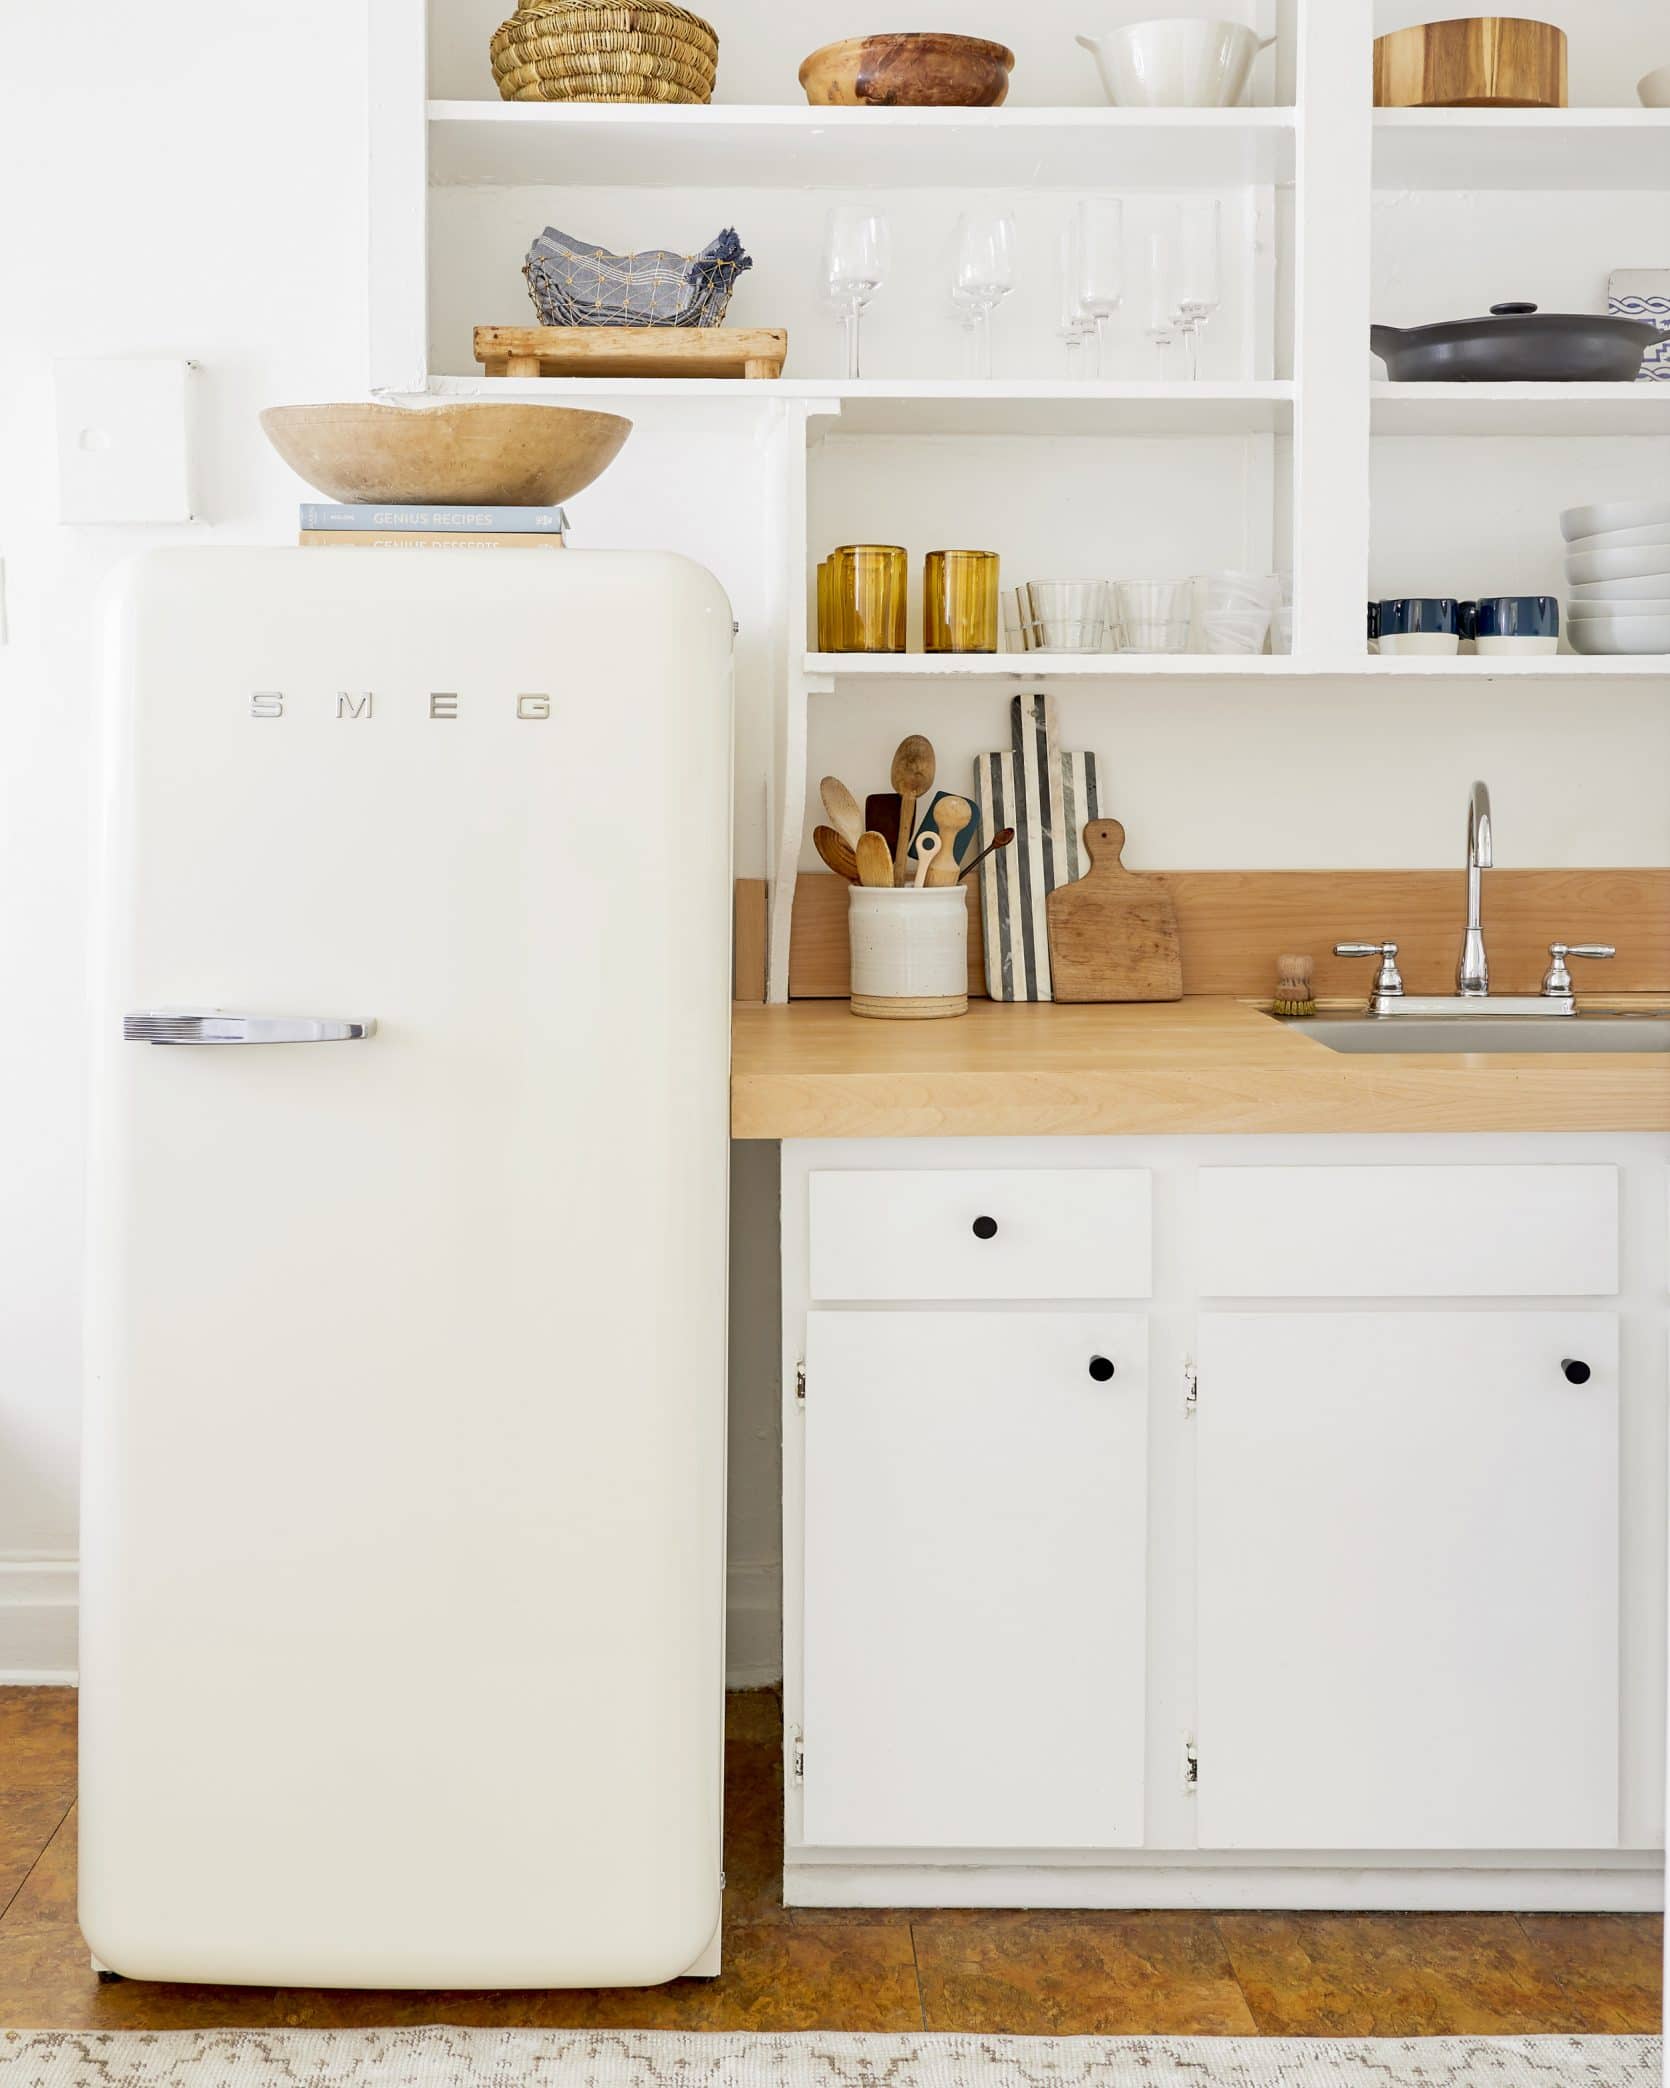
843 809
912 778
874 859
951 816
1113 934
1000 839
835 852
1047 797
927 847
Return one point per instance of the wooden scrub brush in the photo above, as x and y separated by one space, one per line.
1294 994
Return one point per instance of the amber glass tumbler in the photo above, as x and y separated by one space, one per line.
867 593
959 602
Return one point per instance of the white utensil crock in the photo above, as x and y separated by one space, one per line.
909 951
1194 64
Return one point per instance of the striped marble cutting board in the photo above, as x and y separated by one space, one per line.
1048 797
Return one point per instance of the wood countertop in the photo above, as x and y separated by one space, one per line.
815 1070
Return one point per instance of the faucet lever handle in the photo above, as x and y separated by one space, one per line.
1388 980
1558 984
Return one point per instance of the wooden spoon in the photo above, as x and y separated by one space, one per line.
835 853
927 847
843 809
912 778
875 860
1000 839
951 815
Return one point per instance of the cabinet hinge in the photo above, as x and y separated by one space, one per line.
1191 1388
797 1755
800 1383
1191 1764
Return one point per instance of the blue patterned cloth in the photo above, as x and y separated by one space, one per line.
1644 293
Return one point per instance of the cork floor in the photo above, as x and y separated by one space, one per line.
1289 1975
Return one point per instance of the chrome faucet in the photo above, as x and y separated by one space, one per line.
1472 974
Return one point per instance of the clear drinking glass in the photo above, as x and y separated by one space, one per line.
1075 323
1155 614
1198 285
1066 615
857 252
1161 254
1101 239
984 273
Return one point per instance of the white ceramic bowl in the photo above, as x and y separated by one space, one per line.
1654 88
1620 634
1194 64
1614 514
1637 563
1652 587
1612 612
1623 539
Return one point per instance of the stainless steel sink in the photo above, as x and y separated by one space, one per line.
1602 1031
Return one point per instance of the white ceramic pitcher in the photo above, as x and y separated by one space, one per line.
1192 64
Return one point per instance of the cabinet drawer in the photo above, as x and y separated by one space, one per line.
998 1233
1409 1232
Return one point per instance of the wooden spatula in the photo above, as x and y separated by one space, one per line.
842 807
881 816
1113 934
835 852
912 778
875 860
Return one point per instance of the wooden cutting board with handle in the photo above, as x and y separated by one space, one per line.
1113 933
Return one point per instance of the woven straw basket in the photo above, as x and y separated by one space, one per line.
605 50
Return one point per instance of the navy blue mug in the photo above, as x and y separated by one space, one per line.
1512 623
1416 624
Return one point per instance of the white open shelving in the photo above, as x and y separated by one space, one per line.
1294 450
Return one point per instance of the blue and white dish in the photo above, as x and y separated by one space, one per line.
1416 624
1507 624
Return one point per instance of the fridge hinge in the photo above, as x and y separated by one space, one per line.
1191 1388
1191 1765
797 1755
800 1383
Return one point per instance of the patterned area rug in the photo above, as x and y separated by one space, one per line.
443 2058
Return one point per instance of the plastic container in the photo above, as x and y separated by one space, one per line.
909 951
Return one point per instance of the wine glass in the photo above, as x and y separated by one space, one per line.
1162 296
1075 323
857 252
985 272
1101 231
1198 286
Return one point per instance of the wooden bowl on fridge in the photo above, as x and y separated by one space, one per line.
1477 62
922 70
468 455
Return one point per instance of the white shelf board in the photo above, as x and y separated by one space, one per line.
1522 148
1521 409
879 406
746 145
1037 667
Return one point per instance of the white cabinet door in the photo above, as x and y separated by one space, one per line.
975 1554
1408 1588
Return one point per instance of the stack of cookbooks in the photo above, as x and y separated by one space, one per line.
432 528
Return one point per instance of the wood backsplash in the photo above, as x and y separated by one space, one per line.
1236 923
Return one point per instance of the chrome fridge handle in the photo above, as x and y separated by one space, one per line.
212 1026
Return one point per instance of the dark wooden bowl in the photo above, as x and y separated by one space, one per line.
922 70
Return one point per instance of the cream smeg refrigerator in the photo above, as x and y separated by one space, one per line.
402 1583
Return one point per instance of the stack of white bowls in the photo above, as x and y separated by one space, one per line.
1618 564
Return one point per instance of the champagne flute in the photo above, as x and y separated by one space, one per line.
1101 230
1198 287
1075 323
1162 297
858 249
984 273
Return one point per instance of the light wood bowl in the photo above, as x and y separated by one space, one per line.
481 455
923 70
1474 62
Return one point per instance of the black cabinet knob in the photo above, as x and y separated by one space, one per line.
1100 1369
985 1228
1576 1372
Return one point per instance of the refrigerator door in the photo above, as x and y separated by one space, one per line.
403 1552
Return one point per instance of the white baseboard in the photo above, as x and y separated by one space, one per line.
753 1625
38 1623
37 1620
